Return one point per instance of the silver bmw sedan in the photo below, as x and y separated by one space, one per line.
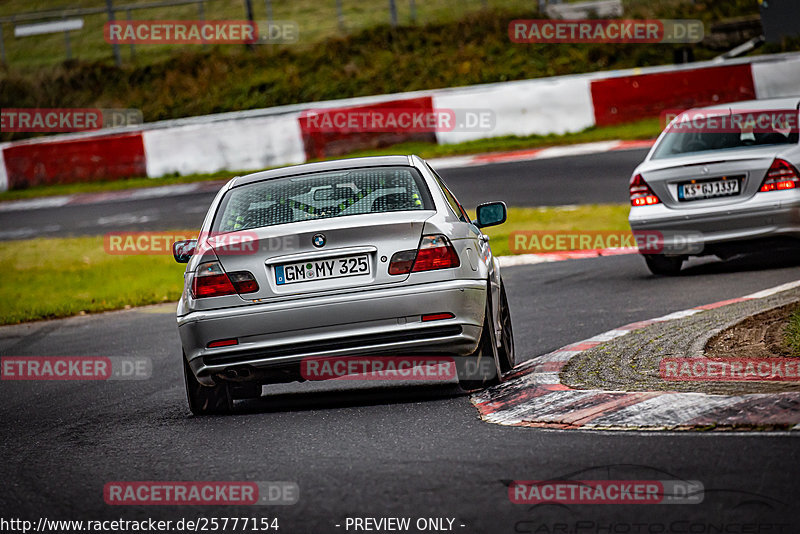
367 257
721 181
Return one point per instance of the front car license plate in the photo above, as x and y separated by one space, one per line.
708 189
308 271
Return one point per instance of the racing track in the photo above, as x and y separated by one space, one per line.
381 449
378 449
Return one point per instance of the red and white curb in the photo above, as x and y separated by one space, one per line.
538 153
533 395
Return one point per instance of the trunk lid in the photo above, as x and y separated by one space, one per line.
286 262
747 166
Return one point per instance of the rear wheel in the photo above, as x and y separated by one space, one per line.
482 368
206 400
505 353
663 265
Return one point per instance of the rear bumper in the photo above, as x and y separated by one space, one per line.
375 322
767 216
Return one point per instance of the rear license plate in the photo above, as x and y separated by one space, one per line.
709 189
308 271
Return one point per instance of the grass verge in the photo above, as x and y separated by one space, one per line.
51 278
793 333
646 129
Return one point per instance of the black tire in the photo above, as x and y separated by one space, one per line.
505 353
487 349
663 265
206 400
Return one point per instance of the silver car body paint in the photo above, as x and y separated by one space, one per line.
376 314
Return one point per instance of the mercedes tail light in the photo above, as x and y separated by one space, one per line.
780 177
641 194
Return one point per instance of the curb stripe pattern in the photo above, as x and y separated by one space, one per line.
533 395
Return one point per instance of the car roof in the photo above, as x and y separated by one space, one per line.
334 165
756 105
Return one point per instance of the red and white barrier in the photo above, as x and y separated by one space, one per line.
549 105
622 99
256 139
78 159
773 81
234 145
320 143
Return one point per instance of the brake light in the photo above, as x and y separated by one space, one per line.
641 194
434 252
212 281
780 177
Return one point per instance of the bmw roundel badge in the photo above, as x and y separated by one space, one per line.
318 240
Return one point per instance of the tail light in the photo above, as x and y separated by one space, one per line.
212 281
780 177
641 194
434 252
244 282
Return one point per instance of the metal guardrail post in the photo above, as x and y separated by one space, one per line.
67 42
268 5
201 15
115 46
393 13
2 47
248 7
340 16
128 17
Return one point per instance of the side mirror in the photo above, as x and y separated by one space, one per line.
183 250
490 214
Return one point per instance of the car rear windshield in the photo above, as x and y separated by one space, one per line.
321 196
677 142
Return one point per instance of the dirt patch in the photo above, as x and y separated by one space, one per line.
758 336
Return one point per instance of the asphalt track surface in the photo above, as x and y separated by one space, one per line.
585 179
390 450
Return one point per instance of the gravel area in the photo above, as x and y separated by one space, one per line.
631 362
